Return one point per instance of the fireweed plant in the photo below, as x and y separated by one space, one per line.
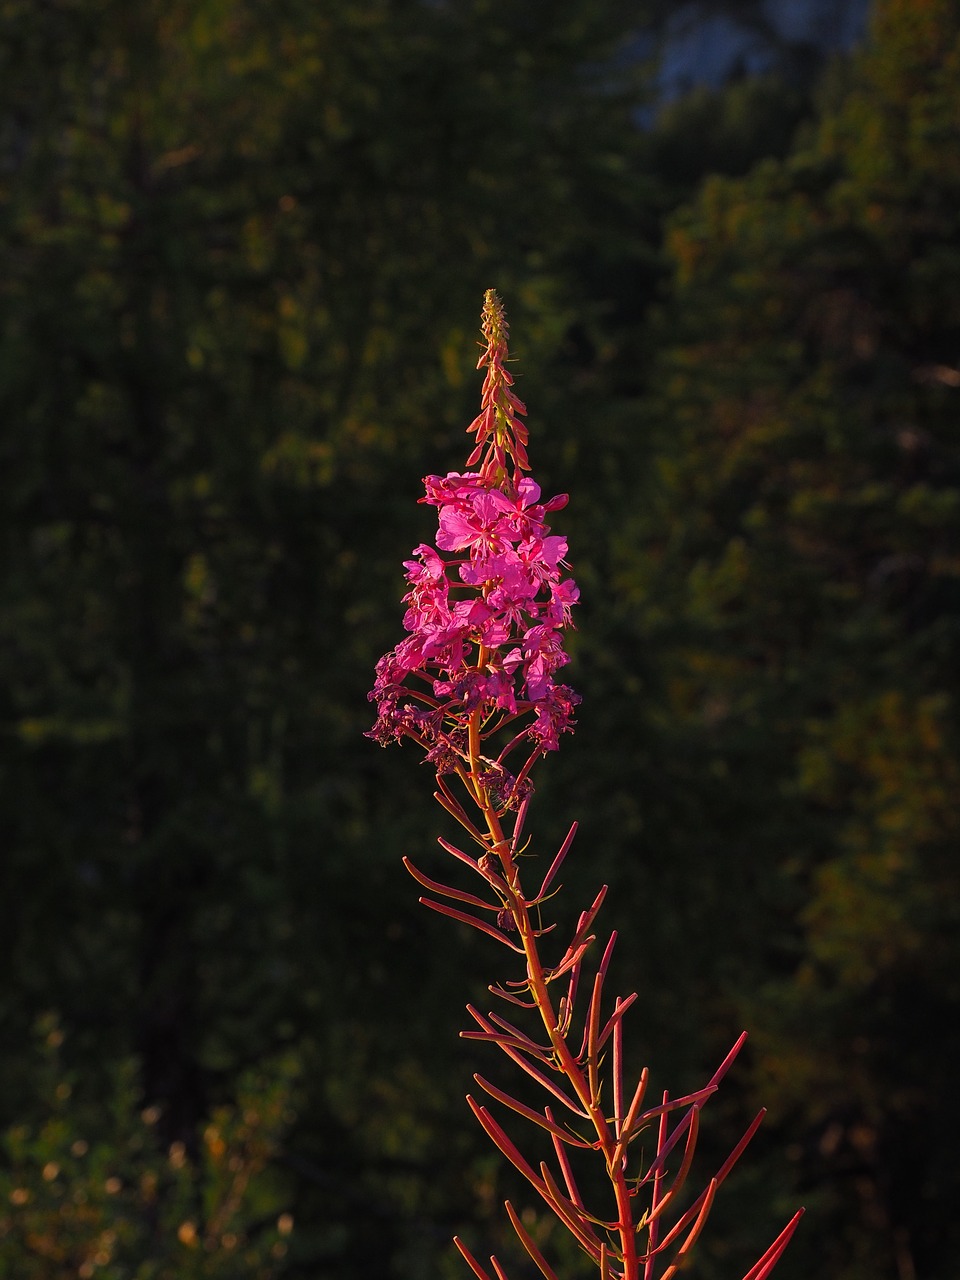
475 685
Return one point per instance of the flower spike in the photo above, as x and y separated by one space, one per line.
500 436
475 683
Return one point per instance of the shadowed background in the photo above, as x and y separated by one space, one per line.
243 249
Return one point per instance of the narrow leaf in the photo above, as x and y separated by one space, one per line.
608 952
622 1005
518 825
763 1266
591 1031
470 1260
490 1026
694 1232
697 1205
571 957
629 1120
653 1230
544 1121
503 1040
532 1071
529 1244
571 996
587 917
681 1175
728 1164
705 1203
508 995
564 1161
666 1147
500 1140
617 1067
472 921
524 771
677 1104
458 853
556 863
456 810
741 1146
568 1213
727 1063
448 891
515 1031
545 1082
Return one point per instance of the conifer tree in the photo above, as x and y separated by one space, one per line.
797 582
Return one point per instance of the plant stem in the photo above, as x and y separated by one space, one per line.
537 981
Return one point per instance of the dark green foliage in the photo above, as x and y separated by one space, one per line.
88 1190
243 252
797 579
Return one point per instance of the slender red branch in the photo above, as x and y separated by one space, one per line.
676 1104
693 1101
715 1182
546 1083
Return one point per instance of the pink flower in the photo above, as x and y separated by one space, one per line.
485 619
473 524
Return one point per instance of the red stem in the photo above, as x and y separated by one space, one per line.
583 1086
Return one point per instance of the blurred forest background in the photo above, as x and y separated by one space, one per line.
243 247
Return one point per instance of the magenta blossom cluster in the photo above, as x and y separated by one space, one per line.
484 622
